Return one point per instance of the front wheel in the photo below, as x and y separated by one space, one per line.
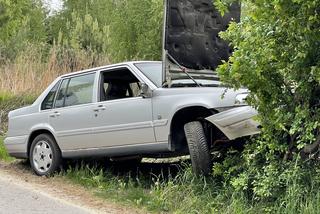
44 155
198 148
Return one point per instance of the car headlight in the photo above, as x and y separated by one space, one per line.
241 99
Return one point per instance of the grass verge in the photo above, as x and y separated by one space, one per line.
4 156
184 193
178 192
159 193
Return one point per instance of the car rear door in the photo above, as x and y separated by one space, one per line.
72 117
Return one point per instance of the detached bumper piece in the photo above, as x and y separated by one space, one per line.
237 122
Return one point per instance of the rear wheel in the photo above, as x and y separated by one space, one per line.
198 148
44 155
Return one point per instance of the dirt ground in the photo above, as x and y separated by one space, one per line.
59 188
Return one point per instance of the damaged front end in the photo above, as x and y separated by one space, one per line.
192 49
237 122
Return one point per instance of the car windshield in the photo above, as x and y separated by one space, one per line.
152 70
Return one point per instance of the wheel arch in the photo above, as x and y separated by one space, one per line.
36 133
180 118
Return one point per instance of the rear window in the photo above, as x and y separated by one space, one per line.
75 91
80 90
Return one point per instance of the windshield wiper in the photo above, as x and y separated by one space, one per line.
183 69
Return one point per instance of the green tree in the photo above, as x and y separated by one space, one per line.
122 30
135 32
277 57
21 22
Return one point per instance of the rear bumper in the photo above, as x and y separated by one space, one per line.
17 146
237 122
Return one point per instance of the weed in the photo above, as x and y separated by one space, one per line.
4 156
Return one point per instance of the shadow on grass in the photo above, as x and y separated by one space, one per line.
147 169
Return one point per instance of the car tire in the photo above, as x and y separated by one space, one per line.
198 148
45 155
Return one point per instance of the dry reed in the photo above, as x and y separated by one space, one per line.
34 69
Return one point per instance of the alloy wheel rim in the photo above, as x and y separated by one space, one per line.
42 156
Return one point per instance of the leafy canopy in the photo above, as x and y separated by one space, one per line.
122 30
20 22
277 57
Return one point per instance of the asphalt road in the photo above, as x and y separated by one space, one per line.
16 199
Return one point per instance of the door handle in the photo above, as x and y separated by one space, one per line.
99 108
55 114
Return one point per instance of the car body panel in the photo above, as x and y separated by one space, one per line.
17 146
118 151
180 98
73 126
237 122
123 122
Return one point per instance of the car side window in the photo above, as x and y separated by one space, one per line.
48 101
80 90
119 84
75 91
61 94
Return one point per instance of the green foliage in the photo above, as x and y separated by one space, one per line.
8 103
118 30
184 193
135 31
4 156
277 57
21 22
121 30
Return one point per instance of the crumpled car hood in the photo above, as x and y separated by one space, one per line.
191 37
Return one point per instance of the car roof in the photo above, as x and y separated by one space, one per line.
106 67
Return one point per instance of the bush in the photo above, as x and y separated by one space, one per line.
277 57
10 102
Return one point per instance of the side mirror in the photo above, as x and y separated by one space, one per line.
145 91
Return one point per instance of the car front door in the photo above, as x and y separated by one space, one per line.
72 117
123 116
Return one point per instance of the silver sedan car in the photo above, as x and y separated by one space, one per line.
123 111
142 109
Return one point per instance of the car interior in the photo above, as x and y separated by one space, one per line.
119 84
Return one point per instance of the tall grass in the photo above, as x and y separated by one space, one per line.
9 102
4 156
184 193
35 67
